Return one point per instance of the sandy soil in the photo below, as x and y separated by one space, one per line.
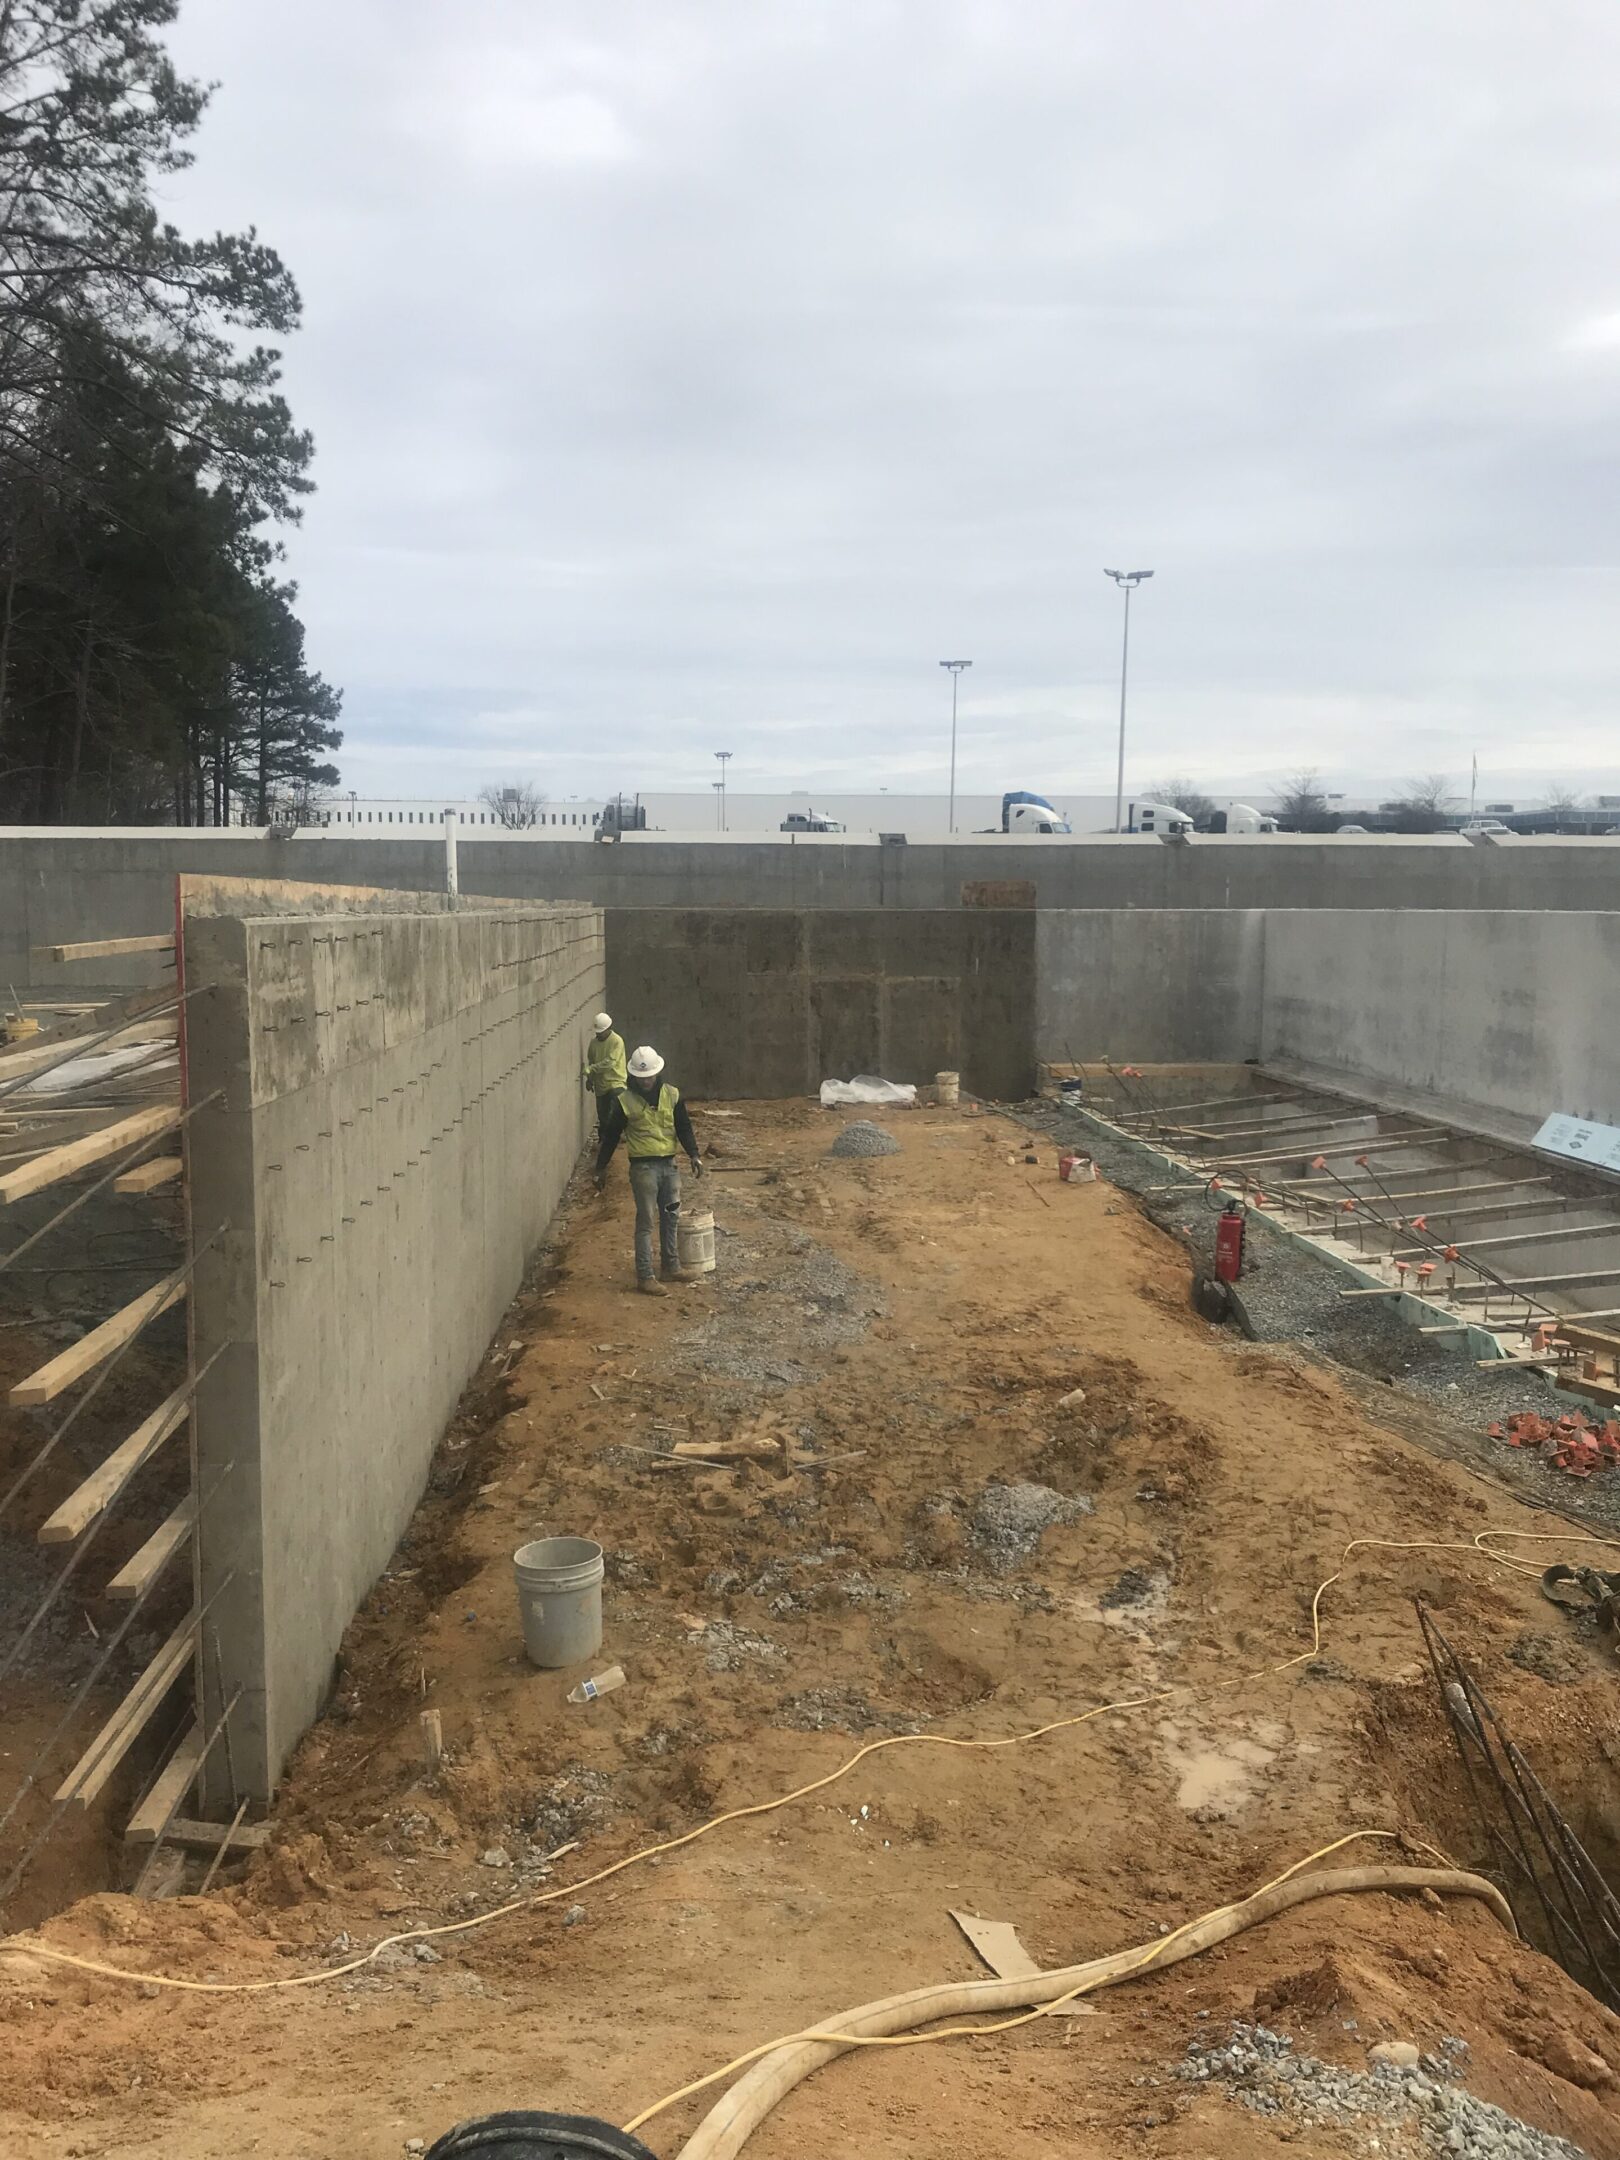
916 1321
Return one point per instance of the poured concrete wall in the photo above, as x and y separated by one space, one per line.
401 1110
59 886
764 1003
1518 1014
1171 985
1505 1014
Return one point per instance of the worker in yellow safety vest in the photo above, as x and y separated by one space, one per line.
648 1114
605 1071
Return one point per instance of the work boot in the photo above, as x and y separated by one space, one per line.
674 1274
649 1288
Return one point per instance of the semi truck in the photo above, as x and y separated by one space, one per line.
1022 812
1232 817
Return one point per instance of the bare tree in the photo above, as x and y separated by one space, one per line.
1432 792
1426 805
516 805
1183 794
1561 796
1302 805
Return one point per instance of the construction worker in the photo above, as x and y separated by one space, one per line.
604 1067
650 1117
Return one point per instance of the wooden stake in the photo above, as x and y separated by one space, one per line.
148 1176
103 1485
115 1739
432 1723
50 1380
160 1548
57 1163
106 948
167 1791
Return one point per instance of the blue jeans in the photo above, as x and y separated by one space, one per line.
656 1182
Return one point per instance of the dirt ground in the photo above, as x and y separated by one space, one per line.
912 1322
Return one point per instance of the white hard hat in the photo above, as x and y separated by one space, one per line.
602 1023
645 1062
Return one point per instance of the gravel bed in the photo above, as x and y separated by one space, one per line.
1416 2114
862 1137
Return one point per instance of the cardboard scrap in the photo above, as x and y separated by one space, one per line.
997 1943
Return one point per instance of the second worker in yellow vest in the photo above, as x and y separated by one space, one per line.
605 1069
647 1113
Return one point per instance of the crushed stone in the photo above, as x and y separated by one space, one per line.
862 1137
840 1710
1412 2114
577 1801
1007 1522
729 1648
775 1278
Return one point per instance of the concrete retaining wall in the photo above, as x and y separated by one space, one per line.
58 886
1506 1015
746 1002
1173 985
401 1112
1518 1014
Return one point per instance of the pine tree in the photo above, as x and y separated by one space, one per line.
149 662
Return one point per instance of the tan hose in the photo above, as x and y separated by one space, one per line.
726 2129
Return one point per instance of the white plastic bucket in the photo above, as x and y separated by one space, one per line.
559 1587
694 1243
947 1087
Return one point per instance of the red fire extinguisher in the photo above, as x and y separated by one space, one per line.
1229 1242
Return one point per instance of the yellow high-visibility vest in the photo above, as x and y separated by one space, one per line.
604 1064
649 1127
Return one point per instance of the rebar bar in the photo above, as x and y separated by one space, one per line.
1541 1856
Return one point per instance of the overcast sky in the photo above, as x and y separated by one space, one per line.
696 374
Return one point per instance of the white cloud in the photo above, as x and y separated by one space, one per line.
691 371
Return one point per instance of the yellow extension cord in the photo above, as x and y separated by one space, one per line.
1480 1544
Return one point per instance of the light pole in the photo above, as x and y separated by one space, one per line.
956 667
1127 581
722 755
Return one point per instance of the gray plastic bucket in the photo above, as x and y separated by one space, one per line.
559 1587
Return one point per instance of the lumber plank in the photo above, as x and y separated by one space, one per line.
115 1739
168 1789
207 1837
102 1487
110 948
148 1176
143 1566
57 1049
50 1380
57 1163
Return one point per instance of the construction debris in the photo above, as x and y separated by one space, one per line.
1574 1443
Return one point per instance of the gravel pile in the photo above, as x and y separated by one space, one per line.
1007 1522
862 1137
1412 2114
